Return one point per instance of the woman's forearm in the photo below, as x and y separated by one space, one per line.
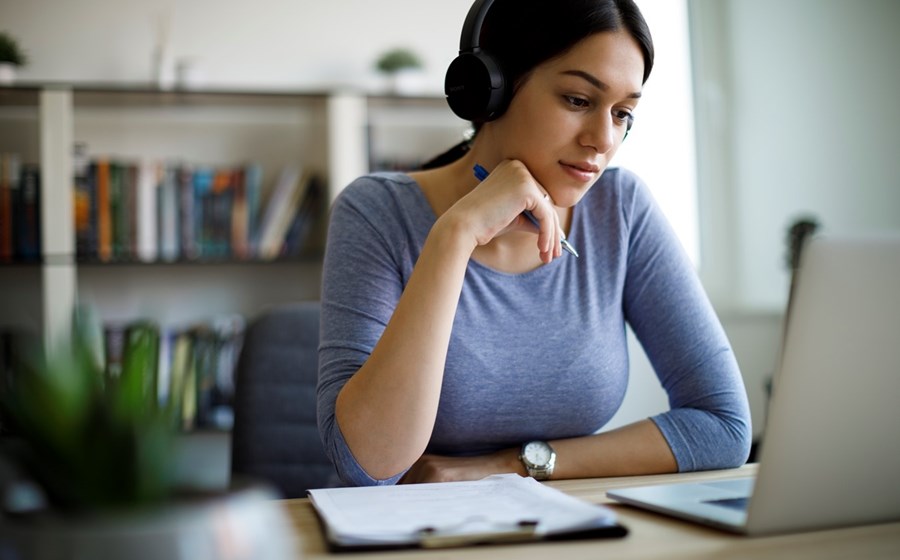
635 449
386 411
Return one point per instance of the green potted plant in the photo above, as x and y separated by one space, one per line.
11 57
403 69
95 457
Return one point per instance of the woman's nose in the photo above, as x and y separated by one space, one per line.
599 133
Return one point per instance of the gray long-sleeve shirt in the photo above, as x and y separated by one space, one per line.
538 355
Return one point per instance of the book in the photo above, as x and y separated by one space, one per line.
239 236
229 338
218 220
496 509
187 219
198 364
168 215
9 186
104 217
117 209
113 348
130 210
84 203
245 210
205 367
252 195
148 180
182 379
28 212
297 238
281 207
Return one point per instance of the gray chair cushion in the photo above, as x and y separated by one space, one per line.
275 436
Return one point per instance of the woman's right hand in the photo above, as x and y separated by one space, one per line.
494 208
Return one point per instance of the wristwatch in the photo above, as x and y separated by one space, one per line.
539 459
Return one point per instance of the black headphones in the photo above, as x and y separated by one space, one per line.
475 86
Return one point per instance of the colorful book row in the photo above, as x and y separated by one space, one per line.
164 211
195 370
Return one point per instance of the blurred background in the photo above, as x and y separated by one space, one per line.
758 113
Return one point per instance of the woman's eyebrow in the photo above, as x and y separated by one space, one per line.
594 81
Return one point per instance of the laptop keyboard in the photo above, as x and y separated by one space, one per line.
731 503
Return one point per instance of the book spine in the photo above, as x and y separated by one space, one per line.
113 349
147 222
168 213
296 240
28 234
281 207
83 200
203 211
222 200
9 177
239 235
205 361
131 210
104 214
187 213
92 235
182 388
116 212
253 194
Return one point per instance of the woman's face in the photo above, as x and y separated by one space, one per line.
569 117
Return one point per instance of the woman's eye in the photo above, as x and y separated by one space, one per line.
576 102
624 117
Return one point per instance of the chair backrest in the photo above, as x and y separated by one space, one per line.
275 436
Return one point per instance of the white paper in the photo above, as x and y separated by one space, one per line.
399 514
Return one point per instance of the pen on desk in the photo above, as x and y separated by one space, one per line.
481 174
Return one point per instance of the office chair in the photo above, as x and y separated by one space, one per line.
275 437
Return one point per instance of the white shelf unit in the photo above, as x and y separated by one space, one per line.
331 133
406 132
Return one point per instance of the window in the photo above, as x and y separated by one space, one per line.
661 147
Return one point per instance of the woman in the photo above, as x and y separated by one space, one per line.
459 340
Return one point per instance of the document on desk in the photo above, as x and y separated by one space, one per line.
499 508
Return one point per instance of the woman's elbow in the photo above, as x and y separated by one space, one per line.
736 446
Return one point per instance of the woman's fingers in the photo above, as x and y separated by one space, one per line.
549 236
508 185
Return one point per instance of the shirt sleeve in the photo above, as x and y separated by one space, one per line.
708 424
361 285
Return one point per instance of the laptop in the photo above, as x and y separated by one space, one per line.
831 452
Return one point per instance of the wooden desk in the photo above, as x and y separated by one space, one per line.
651 535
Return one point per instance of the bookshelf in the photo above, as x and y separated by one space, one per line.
333 134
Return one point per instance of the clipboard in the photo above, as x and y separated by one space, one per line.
439 541
502 509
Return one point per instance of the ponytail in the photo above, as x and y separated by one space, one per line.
449 156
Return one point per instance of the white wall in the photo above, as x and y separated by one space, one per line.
798 108
264 43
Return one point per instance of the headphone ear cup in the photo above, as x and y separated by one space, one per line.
475 87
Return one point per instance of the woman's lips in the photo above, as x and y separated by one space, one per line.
582 171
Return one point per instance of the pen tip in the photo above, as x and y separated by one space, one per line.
568 247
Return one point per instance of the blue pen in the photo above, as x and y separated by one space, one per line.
481 174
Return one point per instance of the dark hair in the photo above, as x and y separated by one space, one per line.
523 34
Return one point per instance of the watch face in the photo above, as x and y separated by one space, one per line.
537 453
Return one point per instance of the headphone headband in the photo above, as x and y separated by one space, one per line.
471 32
475 86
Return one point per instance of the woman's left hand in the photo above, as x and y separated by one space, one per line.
440 468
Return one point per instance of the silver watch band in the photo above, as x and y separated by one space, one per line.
541 471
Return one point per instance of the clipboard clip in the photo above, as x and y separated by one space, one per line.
477 530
